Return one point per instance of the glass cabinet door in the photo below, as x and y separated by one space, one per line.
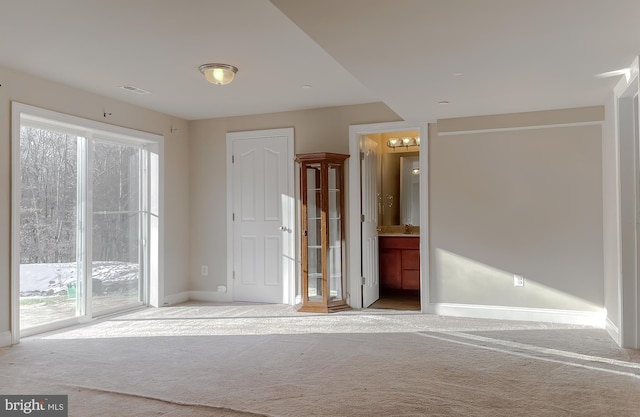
314 234
335 234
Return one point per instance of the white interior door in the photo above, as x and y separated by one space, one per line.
263 217
369 177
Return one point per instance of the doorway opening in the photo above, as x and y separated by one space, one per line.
388 192
398 213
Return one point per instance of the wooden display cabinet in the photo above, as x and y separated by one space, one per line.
323 246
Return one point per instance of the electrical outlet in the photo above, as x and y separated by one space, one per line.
204 270
518 280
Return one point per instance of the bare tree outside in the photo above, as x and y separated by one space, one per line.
49 187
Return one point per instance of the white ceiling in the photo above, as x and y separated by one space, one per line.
482 56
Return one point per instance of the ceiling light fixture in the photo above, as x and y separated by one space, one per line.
218 74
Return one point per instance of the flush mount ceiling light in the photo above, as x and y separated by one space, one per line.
219 74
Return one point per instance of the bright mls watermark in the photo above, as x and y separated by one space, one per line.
34 405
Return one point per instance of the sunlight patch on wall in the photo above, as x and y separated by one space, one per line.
461 280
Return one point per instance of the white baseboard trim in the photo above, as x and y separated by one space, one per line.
613 331
208 296
212 296
178 298
5 338
589 318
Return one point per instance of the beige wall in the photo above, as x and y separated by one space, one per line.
318 130
525 201
49 95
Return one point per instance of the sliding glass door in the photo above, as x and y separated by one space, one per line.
88 216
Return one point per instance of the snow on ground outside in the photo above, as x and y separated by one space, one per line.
52 278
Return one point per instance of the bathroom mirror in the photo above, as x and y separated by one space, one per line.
410 190
399 199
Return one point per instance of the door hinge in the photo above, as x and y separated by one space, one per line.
362 218
233 274
362 156
233 217
364 280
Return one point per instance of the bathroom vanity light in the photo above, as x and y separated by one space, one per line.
405 141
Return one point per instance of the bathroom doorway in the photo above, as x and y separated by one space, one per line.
388 194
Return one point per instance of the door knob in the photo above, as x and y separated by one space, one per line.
284 228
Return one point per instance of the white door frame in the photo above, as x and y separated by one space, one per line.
354 243
288 282
629 199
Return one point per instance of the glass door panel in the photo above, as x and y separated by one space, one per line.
117 226
48 227
335 235
314 234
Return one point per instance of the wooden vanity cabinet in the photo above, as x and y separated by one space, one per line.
399 263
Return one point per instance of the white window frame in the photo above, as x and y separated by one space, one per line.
153 194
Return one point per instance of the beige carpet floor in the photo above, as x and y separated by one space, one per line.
233 360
